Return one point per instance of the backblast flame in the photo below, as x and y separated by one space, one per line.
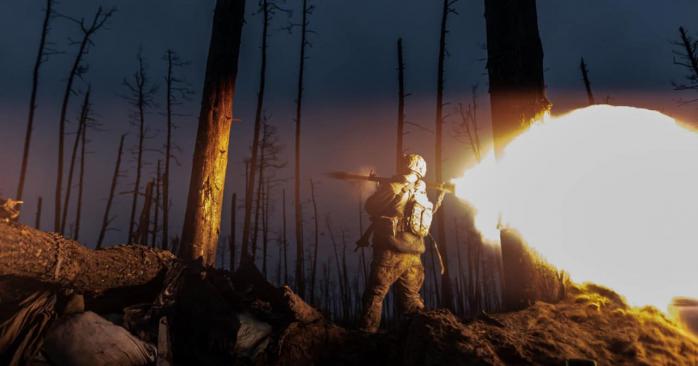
609 194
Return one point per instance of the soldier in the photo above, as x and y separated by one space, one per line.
401 215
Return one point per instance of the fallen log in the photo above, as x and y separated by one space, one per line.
48 257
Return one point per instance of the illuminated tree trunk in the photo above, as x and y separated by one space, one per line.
517 97
203 215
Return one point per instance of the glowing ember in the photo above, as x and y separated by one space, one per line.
609 194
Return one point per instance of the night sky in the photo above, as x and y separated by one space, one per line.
351 86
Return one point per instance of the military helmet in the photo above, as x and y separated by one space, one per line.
414 163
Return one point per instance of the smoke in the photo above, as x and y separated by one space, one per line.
610 194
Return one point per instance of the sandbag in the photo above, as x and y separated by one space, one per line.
86 339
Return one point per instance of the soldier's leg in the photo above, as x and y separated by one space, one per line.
409 283
383 274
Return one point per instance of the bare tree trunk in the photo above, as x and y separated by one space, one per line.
175 88
517 97
203 214
141 235
362 256
88 30
40 59
154 233
84 115
260 191
446 299
316 244
400 106
338 265
587 84
300 267
37 219
285 238
231 242
114 180
140 102
346 303
249 191
265 227
81 180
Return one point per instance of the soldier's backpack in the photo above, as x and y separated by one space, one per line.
418 214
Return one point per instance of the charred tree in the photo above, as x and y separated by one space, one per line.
467 130
687 57
284 237
106 219
82 122
37 218
88 30
251 178
265 227
41 57
585 78
141 234
231 241
446 299
81 177
400 106
313 264
203 214
176 90
300 262
156 204
517 98
140 97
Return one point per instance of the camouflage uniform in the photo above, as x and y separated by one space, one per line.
396 253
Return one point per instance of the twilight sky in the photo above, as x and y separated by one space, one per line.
350 104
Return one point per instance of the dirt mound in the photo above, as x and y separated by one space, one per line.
592 322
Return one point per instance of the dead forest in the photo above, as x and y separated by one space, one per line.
282 277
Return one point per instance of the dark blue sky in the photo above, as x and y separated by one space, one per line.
350 106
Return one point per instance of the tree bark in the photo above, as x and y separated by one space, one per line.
517 97
40 59
50 258
203 214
